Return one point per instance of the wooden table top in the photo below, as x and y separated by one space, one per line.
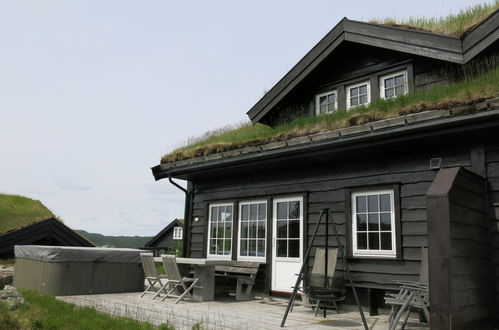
201 261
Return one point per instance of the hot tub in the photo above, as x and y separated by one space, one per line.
64 270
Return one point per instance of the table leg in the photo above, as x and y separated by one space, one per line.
205 290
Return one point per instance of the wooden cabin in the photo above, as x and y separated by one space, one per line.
49 231
169 239
425 178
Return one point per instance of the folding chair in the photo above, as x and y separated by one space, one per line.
177 283
411 295
152 276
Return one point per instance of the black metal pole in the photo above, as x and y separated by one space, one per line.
338 242
300 274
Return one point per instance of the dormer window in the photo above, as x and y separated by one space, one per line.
358 94
393 85
326 102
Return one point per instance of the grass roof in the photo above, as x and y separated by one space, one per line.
18 211
464 93
455 25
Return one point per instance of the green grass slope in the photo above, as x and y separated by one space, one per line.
18 211
132 242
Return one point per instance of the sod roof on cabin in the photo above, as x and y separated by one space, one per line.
475 89
18 211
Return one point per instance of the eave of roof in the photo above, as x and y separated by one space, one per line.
447 48
431 122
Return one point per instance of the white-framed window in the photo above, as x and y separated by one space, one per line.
358 94
220 231
177 232
393 85
252 230
373 224
326 102
288 226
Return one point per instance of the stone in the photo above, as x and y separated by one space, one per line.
274 145
325 136
11 297
299 140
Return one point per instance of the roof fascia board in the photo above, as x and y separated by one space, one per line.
301 69
481 31
432 128
455 57
481 45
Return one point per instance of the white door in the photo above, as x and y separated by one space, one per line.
287 242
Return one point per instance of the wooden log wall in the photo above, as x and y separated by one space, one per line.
459 251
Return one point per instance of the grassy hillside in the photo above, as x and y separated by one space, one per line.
115 241
18 211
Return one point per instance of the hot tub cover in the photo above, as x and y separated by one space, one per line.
77 254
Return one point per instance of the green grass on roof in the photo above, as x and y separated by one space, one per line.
464 93
453 25
18 211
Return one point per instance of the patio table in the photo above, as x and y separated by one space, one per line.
204 269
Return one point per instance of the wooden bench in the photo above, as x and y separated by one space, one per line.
245 273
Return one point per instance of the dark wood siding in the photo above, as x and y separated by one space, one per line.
492 168
326 184
459 252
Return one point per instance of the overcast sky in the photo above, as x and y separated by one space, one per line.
93 93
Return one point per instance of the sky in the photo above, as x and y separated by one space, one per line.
93 93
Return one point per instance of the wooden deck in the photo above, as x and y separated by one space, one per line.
263 313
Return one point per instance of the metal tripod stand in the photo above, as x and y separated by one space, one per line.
324 214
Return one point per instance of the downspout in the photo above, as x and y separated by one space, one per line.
187 222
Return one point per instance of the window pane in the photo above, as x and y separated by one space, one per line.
384 202
400 90
213 232
386 241
374 241
363 89
252 248
220 231
385 221
253 212
331 107
294 210
261 229
363 99
389 93
221 213
373 222
244 230
389 82
252 229
361 204
354 101
362 241
323 100
282 229
220 246
372 203
331 98
244 247
282 210
227 247
213 244
261 248
244 212
399 80
282 248
294 248
294 229
354 91
214 213
228 210
262 211
361 222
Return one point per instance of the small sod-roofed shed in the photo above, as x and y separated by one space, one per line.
398 136
24 221
169 239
